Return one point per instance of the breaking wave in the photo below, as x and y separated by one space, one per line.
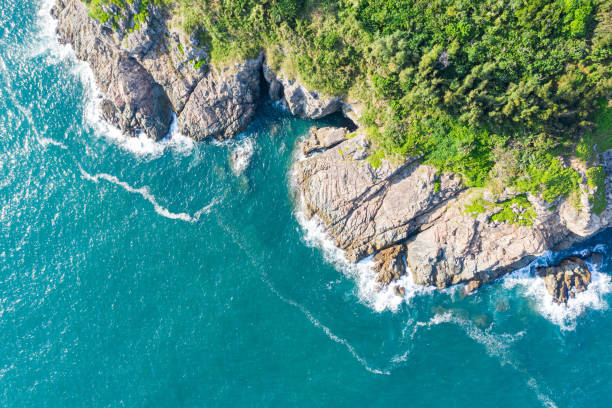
377 296
564 316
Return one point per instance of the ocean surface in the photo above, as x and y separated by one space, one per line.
141 274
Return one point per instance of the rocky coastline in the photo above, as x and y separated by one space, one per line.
406 214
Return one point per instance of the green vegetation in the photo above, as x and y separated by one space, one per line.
198 64
597 180
494 90
478 206
551 179
101 10
517 210
600 140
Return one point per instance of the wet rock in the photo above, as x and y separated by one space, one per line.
389 264
563 281
399 290
323 138
472 285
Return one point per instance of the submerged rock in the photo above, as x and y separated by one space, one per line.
563 281
240 158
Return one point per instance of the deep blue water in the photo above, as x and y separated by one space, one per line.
145 275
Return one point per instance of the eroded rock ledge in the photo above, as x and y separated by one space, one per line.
408 214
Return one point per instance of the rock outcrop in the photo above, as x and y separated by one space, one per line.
323 138
563 281
148 71
368 208
300 101
133 100
223 103
409 210
390 264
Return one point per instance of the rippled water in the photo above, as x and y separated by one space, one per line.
142 274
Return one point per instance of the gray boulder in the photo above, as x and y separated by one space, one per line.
133 100
300 102
223 103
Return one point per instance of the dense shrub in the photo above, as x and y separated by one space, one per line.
460 82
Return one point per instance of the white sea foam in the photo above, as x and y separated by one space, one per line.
141 145
46 43
379 297
45 141
240 157
146 194
497 345
564 316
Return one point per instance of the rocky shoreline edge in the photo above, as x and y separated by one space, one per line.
407 215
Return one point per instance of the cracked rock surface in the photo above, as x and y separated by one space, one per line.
409 211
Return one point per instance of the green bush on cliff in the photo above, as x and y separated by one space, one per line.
550 178
596 179
467 85
517 210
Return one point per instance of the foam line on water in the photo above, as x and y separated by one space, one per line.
329 333
496 345
315 322
564 316
146 194
45 141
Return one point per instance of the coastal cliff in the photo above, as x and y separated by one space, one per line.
150 71
406 213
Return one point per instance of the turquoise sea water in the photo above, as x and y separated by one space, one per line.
138 274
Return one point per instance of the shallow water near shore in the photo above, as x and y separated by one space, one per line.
138 274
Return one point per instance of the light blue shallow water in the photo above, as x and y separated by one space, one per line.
154 276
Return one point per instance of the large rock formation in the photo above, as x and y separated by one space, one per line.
134 101
368 208
148 71
563 281
323 138
223 103
408 209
